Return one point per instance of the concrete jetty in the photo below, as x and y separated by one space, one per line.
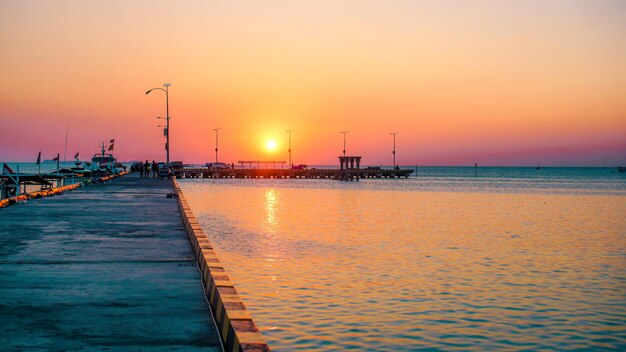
349 170
331 174
107 267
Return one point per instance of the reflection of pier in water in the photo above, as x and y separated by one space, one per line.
349 170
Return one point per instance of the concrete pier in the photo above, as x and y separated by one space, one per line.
331 174
108 267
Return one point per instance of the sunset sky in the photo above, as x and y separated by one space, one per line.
492 82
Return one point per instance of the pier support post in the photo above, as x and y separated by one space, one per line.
349 172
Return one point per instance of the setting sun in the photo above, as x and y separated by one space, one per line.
270 145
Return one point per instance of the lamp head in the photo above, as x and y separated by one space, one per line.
167 84
148 91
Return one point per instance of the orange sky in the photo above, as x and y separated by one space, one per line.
493 82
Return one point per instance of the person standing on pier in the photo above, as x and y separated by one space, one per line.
147 168
155 169
140 167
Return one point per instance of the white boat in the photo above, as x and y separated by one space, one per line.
105 162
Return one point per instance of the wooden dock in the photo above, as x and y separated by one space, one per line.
333 174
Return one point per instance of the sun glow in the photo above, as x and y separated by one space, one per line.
270 145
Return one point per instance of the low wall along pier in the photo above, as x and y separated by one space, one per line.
235 325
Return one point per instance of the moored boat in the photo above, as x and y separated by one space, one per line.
105 163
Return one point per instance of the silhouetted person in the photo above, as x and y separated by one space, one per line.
155 169
146 167
140 167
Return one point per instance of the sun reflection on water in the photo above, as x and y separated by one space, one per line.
271 203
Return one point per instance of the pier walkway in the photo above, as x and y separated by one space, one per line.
107 267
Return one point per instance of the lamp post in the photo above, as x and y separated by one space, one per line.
167 121
164 127
344 142
394 148
216 140
289 131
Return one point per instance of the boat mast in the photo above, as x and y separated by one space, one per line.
67 131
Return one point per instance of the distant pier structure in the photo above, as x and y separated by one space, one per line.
347 167
250 164
349 170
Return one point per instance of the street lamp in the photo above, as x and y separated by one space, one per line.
344 142
394 148
164 127
216 134
289 131
167 121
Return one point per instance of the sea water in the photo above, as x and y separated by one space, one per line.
514 258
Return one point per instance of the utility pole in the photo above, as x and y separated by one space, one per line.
289 131
216 141
344 142
394 148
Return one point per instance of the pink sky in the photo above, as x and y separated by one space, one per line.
492 82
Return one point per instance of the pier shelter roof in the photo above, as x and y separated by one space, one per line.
25 179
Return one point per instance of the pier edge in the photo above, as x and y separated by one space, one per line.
235 325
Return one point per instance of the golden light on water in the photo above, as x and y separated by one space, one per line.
271 202
416 269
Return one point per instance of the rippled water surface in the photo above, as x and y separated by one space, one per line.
436 263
